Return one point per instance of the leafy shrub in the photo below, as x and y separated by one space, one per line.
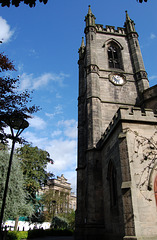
59 223
49 232
59 232
65 232
22 235
70 219
14 235
36 233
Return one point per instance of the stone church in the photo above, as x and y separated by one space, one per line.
117 137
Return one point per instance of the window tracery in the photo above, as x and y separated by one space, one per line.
114 56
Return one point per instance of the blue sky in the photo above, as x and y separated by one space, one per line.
43 42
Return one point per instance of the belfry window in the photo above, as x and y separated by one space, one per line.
114 56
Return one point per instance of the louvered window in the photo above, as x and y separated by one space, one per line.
114 56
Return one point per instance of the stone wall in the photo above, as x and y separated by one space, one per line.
130 143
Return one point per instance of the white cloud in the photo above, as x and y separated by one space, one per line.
63 152
58 95
71 132
26 81
152 36
67 123
153 77
50 115
36 141
20 67
70 128
56 133
43 80
37 122
32 52
57 111
31 82
62 147
5 32
153 80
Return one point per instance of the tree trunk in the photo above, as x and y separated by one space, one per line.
16 223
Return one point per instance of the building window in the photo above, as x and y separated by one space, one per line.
114 56
112 178
155 189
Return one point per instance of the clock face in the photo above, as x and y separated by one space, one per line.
117 79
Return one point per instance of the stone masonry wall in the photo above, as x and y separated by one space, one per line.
130 143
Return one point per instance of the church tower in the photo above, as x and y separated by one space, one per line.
111 102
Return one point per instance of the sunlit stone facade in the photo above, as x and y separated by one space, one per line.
117 137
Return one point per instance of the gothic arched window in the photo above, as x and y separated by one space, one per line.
112 178
114 56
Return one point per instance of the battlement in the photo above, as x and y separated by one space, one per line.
125 114
110 29
136 113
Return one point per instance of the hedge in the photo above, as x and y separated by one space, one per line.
15 235
18 235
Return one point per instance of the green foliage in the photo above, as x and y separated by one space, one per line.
64 221
70 219
48 199
141 1
11 100
16 235
61 201
16 3
16 196
33 163
59 223
61 232
31 3
37 233
12 235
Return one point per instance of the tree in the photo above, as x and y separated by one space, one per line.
59 223
16 204
31 3
33 162
141 1
16 3
64 220
12 102
54 203
49 201
70 218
